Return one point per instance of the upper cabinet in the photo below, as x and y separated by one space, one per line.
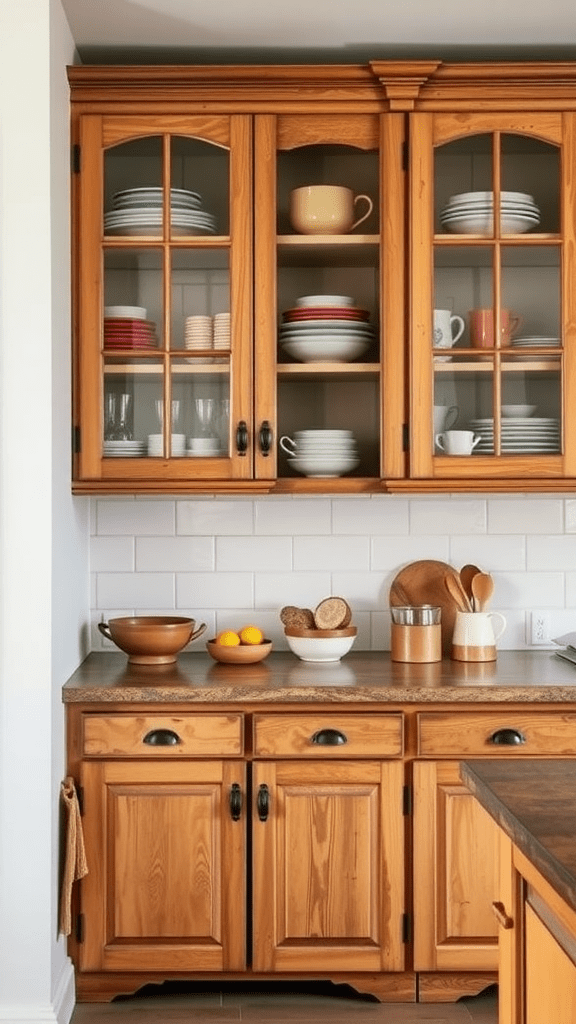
324 278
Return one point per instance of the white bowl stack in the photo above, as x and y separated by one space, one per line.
325 328
156 445
323 453
471 213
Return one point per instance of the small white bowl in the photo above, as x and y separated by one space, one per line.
332 350
322 648
520 411
323 465
325 300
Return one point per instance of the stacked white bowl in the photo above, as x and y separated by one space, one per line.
156 445
471 213
321 453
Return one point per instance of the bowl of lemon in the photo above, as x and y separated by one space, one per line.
239 647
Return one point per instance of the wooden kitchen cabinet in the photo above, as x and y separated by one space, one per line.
219 150
168 826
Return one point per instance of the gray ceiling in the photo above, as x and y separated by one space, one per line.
340 31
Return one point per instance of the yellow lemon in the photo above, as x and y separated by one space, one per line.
251 635
228 638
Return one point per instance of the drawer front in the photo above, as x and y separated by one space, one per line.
498 734
163 735
330 735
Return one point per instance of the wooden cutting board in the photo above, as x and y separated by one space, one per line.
423 582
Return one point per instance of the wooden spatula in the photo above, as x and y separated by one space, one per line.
467 574
482 590
457 592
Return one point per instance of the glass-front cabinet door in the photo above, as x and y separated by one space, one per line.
329 229
164 365
493 309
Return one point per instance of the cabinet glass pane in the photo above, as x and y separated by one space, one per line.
199 187
133 188
133 305
200 300
532 167
132 391
531 291
200 396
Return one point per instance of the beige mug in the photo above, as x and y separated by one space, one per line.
326 209
482 327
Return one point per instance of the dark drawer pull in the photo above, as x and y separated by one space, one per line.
329 738
162 738
242 438
507 738
235 801
263 802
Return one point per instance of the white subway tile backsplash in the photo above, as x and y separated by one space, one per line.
293 516
391 553
126 516
174 554
387 515
253 554
489 552
229 560
215 518
214 590
331 553
112 554
528 515
135 590
432 516
303 589
544 552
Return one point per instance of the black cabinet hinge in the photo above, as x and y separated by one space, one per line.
76 440
407 800
405 437
406 928
75 159
79 930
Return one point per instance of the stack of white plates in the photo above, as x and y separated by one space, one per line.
198 332
156 445
471 213
138 211
323 453
125 449
520 435
331 334
535 341
222 330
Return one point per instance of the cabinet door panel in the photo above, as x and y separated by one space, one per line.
455 868
328 867
165 888
550 975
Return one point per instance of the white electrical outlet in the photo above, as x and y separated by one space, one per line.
540 628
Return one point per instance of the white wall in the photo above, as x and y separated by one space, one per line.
43 532
229 561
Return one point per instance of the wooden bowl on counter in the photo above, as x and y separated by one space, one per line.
242 654
151 639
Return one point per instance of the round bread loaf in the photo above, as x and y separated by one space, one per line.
299 618
332 613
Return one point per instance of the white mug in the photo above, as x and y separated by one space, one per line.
475 637
457 442
445 417
448 328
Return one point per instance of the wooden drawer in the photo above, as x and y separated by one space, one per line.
328 735
497 734
163 735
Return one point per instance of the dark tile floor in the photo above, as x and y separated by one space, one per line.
269 1004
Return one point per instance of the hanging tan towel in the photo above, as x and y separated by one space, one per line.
75 865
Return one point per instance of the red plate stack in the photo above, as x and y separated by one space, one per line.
129 333
303 314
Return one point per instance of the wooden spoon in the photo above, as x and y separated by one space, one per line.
457 592
482 590
467 574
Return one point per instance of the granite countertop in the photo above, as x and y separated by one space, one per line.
533 802
361 677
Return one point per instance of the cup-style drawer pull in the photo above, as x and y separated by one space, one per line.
499 911
507 738
235 801
162 738
329 738
263 802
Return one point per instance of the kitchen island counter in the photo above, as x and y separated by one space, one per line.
361 677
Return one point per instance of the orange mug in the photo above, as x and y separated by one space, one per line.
482 327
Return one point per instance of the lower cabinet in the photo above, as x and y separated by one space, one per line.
537 946
455 871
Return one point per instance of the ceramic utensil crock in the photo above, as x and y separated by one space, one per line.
475 637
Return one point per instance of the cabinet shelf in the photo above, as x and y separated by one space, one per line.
520 365
327 250
328 371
